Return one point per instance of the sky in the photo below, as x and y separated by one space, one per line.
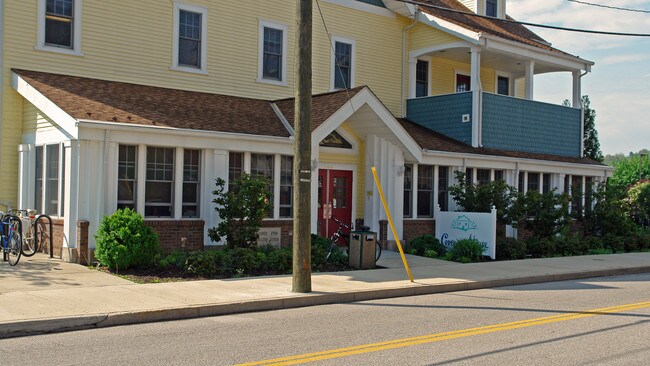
619 83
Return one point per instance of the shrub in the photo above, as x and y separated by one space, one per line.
241 206
426 243
544 215
614 242
466 251
510 248
123 241
481 198
203 264
539 248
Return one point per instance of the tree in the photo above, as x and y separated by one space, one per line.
241 209
590 138
481 198
626 170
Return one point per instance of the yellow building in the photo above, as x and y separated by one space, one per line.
142 104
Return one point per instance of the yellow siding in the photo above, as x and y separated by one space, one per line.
423 36
443 76
34 120
469 4
520 88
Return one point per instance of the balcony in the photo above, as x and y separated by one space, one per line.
507 123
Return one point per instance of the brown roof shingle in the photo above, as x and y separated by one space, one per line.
110 101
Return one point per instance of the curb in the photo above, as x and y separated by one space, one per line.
65 324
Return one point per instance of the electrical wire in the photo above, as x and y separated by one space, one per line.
610 7
623 34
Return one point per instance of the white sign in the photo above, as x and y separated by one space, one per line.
269 236
454 226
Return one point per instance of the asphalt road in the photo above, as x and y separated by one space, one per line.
600 321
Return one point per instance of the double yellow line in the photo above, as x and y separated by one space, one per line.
436 337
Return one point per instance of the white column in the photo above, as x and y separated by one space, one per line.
560 183
247 162
178 183
584 192
24 176
412 76
414 201
436 187
110 159
525 182
476 96
277 166
530 76
577 90
215 165
71 175
142 177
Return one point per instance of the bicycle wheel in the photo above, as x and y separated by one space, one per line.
14 249
29 242
42 238
332 246
377 251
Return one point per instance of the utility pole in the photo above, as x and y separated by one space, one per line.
302 150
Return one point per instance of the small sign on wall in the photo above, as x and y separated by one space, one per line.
269 236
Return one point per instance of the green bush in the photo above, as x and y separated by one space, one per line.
541 248
426 243
510 248
466 251
123 241
614 242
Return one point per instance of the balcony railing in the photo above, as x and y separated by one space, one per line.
508 123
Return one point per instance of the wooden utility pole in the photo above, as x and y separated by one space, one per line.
302 151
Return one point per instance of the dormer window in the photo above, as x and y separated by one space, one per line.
491 8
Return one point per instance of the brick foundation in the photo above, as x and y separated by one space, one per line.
286 230
170 233
57 237
82 243
414 228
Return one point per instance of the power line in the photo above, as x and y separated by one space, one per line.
526 23
610 7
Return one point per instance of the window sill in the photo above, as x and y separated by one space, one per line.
64 51
189 69
272 82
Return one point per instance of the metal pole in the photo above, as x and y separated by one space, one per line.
302 150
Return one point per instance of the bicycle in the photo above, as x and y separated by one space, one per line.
30 242
11 238
340 238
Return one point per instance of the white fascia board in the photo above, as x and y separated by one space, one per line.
439 47
58 115
365 96
124 132
353 4
283 119
524 164
451 28
535 53
400 7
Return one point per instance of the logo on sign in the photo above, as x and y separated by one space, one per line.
464 223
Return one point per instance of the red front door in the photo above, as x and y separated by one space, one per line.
334 199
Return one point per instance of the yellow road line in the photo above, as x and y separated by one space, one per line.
436 337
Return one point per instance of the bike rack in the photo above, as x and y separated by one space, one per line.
51 233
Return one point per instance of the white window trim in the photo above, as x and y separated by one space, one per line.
260 55
511 82
204 38
426 59
76 31
500 7
333 62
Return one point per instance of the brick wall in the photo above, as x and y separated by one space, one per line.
170 233
57 237
82 243
286 230
419 227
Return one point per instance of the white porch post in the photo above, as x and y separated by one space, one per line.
178 184
414 199
436 186
530 76
577 90
142 178
70 190
215 165
476 96
24 176
412 76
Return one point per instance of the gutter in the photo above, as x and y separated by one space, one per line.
402 85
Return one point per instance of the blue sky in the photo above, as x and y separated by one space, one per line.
619 84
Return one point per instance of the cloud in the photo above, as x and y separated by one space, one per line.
618 59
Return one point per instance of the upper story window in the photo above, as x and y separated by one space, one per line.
273 53
503 85
59 26
421 78
463 83
491 8
190 32
343 64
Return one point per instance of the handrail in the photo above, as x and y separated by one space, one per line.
36 233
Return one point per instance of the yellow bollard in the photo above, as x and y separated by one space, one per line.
390 221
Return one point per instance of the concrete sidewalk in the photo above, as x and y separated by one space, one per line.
42 295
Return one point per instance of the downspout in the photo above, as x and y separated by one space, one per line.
406 29
582 119
2 65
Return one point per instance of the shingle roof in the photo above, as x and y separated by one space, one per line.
323 105
510 31
431 140
100 100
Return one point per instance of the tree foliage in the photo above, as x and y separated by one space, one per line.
627 170
638 200
481 198
543 214
590 138
241 209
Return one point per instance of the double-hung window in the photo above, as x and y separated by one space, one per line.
59 26
286 186
126 177
190 33
483 176
503 85
235 169
408 190
191 182
49 182
491 8
425 191
533 182
343 62
263 165
421 78
159 188
443 188
273 53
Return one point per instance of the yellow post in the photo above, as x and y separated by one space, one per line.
390 221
